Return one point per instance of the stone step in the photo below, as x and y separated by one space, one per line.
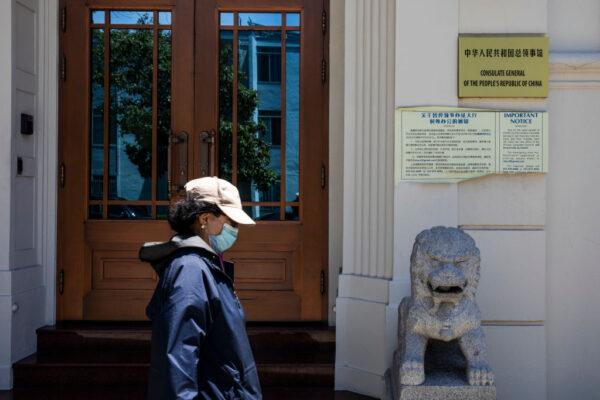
110 342
29 373
117 354
133 393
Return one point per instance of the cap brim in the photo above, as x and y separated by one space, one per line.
237 215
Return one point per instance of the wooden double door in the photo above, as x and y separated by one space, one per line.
154 93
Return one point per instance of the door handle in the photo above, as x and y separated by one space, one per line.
177 174
208 136
208 139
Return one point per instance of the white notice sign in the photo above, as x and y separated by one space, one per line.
449 145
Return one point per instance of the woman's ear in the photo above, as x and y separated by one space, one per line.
203 220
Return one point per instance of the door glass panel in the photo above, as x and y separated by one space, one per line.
131 17
164 113
225 103
259 19
136 64
96 183
292 19
263 213
97 17
129 212
259 112
164 18
130 157
162 212
95 211
292 213
226 19
259 115
292 116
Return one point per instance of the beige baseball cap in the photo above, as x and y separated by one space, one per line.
221 193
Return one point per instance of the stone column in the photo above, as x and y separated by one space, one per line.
361 317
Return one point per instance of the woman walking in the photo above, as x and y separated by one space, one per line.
200 348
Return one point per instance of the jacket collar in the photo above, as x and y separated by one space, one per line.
156 253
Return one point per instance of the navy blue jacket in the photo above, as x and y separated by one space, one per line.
200 349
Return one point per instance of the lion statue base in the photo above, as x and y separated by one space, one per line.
442 352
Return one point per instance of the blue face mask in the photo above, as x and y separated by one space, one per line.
223 240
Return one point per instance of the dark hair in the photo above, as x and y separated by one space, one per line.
183 214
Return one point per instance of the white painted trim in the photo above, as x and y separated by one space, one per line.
574 70
578 63
48 148
471 227
359 381
6 129
5 377
574 85
399 288
364 288
24 279
365 336
336 150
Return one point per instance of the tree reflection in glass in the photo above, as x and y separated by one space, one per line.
131 63
253 152
131 69
164 112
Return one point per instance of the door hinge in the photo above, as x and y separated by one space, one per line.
323 288
324 22
61 174
63 67
61 281
323 70
323 177
63 19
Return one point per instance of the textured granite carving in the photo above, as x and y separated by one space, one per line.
445 377
444 268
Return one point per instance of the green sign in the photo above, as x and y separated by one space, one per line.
435 144
502 66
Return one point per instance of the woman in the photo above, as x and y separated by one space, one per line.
200 348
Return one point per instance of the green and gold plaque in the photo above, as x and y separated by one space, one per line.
502 66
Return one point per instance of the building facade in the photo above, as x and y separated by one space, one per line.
537 233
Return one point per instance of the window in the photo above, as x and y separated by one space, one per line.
272 121
269 64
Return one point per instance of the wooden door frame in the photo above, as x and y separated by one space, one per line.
73 136
72 207
207 37
71 204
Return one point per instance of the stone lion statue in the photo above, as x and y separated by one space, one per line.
444 269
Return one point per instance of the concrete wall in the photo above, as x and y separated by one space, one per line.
509 228
504 214
538 234
27 234
573 199
573 243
